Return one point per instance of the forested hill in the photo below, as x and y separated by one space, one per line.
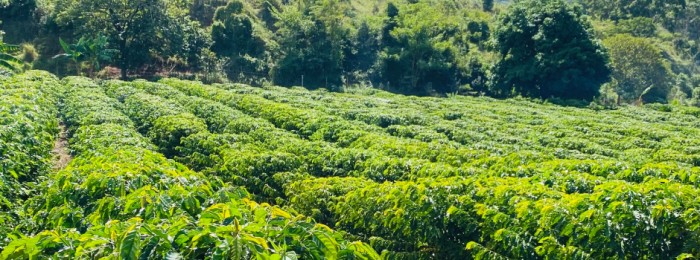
608 51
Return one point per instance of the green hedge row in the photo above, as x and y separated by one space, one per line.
28 131
173 211
479 213
402 158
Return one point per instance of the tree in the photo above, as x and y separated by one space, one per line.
308 55
639 71
22 19
138 29
421 54
638 26
203 10
687 21
487 5
547 49
267 13
234 38
392 13
625 9
361 57
232 31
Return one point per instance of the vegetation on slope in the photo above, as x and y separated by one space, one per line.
120 198
459 177
425 47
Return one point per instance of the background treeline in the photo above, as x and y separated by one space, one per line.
611 51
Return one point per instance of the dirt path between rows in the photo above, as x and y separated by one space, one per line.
60 150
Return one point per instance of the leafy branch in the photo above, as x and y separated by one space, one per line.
91 51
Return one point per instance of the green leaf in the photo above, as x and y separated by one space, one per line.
173 256
64 45
149 250
130 245
291 255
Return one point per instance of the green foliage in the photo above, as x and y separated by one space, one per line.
423 48
135 28
310 55
426 47
234 37
640 72
417 178
236 228
487 5
93 51
547 50
145 109
28 108
7 61
203 11
392 211
92 137
623 9
167 131
28 130
638 26
479 169
118 198
80 104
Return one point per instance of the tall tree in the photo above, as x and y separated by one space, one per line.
234 38
623 9
392 14
203 10
421 51
548 49
308 55
232 31
361 56
137 29
640 72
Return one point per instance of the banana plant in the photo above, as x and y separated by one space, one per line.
7 61
92 51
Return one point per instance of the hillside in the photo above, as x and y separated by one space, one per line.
172 169
610 52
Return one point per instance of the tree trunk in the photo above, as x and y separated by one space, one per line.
91 70
123 71
122 50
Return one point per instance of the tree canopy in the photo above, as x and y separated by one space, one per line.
548 49
137 29
311 47
533 48
639 71
234 38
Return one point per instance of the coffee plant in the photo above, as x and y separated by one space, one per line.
179 169
120 198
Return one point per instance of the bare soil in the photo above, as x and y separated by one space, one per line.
60 150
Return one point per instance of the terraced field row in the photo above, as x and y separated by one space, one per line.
120 198
173 169
506 201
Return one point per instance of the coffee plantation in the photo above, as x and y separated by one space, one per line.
179 169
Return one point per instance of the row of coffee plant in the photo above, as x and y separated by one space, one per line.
28 130
119 197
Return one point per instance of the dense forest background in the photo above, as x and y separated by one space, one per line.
607 51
